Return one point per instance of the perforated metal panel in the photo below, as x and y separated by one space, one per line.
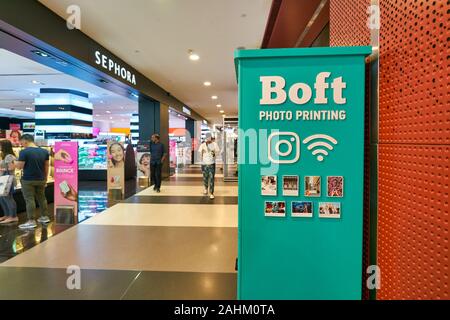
414 134
414 90
348 23
413 222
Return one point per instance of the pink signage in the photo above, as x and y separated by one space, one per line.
66 182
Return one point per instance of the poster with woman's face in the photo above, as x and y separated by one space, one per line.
116 169
14 136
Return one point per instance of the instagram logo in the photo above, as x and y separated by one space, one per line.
284 147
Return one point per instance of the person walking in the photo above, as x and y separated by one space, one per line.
34 162
7 167
208 151
157 157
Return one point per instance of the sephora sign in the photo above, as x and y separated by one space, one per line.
112 66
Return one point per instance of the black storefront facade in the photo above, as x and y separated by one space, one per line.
28 28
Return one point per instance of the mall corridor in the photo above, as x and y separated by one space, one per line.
174 245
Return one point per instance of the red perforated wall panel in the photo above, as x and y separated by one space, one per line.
414 91
348 23
413 222
414 148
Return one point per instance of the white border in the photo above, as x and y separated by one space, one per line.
275 214
304 186
302 215
260 185
290 193
343 185
330 216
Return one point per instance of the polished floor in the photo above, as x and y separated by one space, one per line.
177 244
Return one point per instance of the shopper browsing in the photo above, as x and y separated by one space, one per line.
208 151
7 167
157 158
34 162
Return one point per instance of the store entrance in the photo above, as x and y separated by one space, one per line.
53 106
180 143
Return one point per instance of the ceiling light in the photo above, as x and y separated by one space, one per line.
36 82
121 108
224 115
221 111
214 97
110 118
108 111
206 83
97 115
193 56
40 53
29 108
218 105
101 101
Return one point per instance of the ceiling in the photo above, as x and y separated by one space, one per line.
154 37
17 92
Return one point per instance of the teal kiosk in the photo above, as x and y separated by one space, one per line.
301 153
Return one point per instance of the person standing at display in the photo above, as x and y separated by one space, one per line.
208 151
157 158
7 167
34 162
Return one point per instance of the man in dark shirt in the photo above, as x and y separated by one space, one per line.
35 164
157 157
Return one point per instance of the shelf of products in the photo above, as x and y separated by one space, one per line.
92 157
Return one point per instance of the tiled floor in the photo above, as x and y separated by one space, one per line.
174 245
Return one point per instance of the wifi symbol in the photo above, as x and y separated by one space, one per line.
320 152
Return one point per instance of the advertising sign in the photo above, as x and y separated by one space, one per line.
14 136
143 164
116 170
301 151
66 182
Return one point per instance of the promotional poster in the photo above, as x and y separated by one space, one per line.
66 182
143 164
116 170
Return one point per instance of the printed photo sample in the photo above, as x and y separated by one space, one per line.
330 210
312 186
302 209
335 186
275 209
290 186
269 185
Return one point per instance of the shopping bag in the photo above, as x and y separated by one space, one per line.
6 183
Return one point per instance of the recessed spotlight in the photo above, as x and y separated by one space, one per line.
101 101
214 97
121 108
218 105
108 111
193 56
224 115
29 108
110 118
221 111
36 82
97 115
207 83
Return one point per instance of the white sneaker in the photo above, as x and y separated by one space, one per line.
30 224
211 196
205 192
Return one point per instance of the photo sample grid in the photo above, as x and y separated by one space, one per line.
290 186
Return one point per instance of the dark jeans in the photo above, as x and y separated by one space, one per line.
32 191
9 205
156 169
209 172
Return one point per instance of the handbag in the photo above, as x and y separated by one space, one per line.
6 183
